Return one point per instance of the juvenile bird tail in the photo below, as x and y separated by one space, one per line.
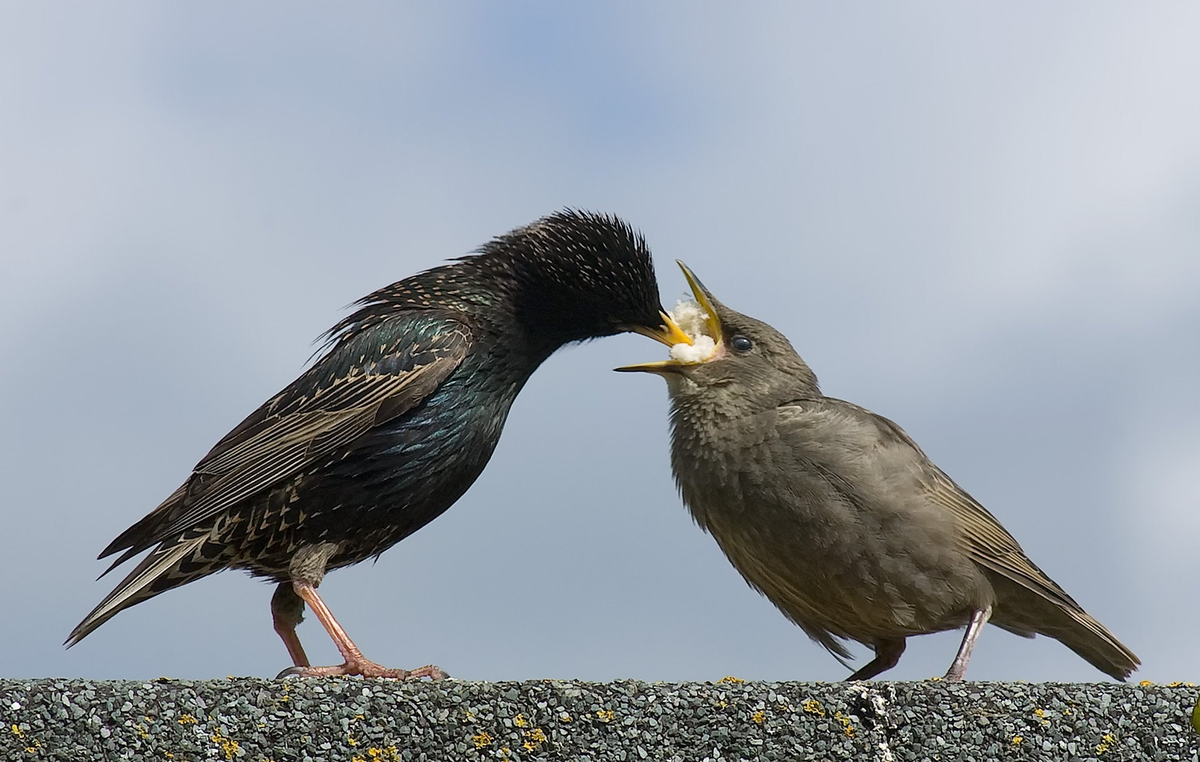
1026 613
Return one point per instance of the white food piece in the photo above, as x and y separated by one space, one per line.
691 319
698 352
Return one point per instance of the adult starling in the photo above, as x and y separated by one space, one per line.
391 426
837 516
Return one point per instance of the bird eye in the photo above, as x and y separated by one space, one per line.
741 344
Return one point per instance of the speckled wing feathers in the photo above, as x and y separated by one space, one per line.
359 385
292 431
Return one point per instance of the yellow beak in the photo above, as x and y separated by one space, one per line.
672 334
668 333
705 302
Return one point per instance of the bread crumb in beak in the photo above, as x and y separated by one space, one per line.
690 318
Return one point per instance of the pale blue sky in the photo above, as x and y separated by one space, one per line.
976 219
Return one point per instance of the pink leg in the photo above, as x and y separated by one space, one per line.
287 611
355 663
959 667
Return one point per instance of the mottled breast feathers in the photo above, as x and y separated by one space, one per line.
368 379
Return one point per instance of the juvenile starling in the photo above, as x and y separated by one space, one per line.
836 515
391 426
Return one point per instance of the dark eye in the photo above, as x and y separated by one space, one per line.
741 344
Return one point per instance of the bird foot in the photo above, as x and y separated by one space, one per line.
365 668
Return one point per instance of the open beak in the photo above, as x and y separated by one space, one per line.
671 334
704 300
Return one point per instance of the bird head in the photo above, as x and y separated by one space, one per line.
749 360
579 275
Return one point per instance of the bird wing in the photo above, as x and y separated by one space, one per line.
365 381
982 538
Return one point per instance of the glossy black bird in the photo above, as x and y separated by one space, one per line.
837 516
391 425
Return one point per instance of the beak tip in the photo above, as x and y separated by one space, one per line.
659 368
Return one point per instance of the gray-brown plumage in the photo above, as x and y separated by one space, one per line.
837 516
390 426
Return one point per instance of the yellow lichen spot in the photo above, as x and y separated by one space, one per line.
605 715
1017 740
812 706
760 716
847 725
482 739
141 731
520 721
731 679
186 719
504 754
468 714
168 755
350 740
229 747
1146 683
564 717
1105 743
533 739
389 754
720 705
16 729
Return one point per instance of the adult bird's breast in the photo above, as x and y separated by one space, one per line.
390 482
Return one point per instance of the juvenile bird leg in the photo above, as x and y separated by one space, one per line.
887 655
355 663
959 667
287 611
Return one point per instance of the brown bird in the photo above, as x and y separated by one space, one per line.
837 516
391 426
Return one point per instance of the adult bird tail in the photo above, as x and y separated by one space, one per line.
168 565
1070 625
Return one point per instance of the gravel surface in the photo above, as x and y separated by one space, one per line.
370 721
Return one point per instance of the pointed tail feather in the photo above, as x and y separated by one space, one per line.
1024 612
158 572
1080 632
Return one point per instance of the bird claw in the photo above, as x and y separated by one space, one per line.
367 669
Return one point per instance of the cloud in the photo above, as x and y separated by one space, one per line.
978 222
